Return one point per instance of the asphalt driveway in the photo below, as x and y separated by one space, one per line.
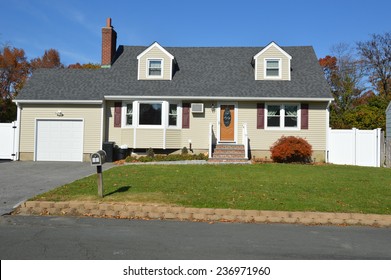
21 180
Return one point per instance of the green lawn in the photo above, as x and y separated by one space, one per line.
287 187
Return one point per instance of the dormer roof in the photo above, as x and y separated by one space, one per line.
270 45
157 45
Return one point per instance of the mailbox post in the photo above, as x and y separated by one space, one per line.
98 159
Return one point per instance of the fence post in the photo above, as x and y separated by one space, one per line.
354 130
378 147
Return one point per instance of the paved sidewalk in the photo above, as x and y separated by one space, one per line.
166 212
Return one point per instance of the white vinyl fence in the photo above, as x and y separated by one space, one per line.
8 145
354 147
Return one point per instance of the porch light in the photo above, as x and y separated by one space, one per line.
59 114
213 107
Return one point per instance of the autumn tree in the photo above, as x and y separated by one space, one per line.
344 74
84 66
50 59
376 55
14 70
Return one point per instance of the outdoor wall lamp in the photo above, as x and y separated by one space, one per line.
59 114
213 107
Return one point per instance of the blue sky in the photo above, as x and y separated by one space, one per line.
74 27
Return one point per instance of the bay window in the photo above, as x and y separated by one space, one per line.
129 114
172 114
150 114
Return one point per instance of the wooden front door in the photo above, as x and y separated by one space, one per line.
227 123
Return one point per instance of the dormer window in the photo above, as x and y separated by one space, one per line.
272 68
155 63
155 68
272 63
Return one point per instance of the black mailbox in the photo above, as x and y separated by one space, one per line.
98 158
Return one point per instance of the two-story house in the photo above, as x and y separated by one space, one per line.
167 98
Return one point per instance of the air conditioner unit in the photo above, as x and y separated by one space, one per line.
197 107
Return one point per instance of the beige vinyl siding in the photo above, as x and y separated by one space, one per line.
199 127
121 136
90 114
262 139
149 138
173 139
176 138
271 53
155 53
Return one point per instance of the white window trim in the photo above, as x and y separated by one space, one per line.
282 116
123 115
165 111
162 68
279 77
178 113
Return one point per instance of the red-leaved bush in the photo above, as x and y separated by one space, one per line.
291 149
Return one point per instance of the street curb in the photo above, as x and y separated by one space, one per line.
167 212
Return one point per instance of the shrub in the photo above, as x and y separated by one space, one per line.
150 153
145 159
291 149
184 151
171 157
131 159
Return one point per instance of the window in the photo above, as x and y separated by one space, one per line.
155 67
272 68
150 114
284 116
172 115
273 116
290 115
129 114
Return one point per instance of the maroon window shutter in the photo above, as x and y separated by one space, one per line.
260 115
186 115
117 114
304 116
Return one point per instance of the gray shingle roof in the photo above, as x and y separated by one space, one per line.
205 72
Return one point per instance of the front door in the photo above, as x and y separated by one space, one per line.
227 123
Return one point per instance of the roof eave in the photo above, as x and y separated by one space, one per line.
31 101
215 98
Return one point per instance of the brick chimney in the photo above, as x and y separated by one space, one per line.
109 44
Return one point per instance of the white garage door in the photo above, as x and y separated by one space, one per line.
59 140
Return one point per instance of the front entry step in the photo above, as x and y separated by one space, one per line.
229 153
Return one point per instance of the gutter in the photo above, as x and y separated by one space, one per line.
214 98
27 101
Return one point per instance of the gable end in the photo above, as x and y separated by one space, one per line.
272 63
155 63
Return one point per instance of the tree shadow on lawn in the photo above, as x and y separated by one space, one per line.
119 190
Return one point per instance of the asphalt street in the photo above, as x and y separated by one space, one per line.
21 180
93 238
